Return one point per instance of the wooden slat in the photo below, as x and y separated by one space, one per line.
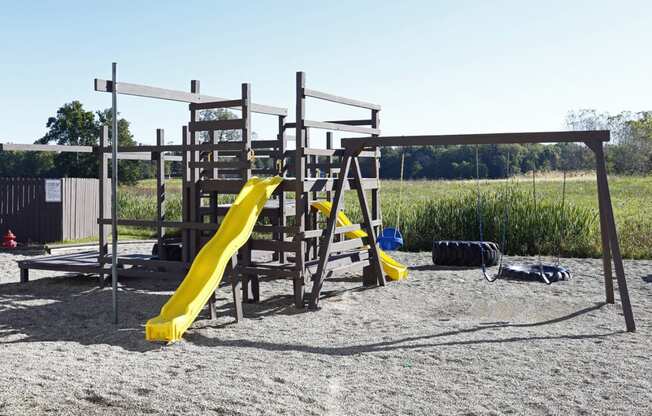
269 245
333 152
347 245
236 164
365 122
210 105
340 100
212 125
282 273
126 88
338 230
339 127
264 144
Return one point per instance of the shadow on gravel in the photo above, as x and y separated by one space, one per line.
73 308
647 279
434 267
425 341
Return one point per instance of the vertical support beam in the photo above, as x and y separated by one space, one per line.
160 194
211 306
300 195
251 284
24 275
194 202
280 162
214 174
185 195
374 252
114 192
329 145
327 239
604 200
102 175
236 288
375 193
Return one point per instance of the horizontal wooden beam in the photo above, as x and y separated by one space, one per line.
236 164
352 122
212 125
210 105
340 127
16 147
138 90
310 151
273 245
340 100
265 144
359 143
328 125
204 147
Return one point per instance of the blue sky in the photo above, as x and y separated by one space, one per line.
434 66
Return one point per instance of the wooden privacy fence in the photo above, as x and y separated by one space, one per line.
46 210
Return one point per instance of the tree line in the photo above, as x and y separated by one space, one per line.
630 151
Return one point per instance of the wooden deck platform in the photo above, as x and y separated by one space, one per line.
88 262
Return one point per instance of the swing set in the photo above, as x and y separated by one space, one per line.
353 148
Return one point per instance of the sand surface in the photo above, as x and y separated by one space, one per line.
442 342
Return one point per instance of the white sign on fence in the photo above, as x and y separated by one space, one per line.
53 190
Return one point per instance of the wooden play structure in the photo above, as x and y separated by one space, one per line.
293 239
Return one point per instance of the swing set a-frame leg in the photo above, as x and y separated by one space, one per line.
610 244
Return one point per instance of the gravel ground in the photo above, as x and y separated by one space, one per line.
442 342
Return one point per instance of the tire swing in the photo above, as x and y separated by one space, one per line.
391 238
548 273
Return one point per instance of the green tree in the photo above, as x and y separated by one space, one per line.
73 125
129 171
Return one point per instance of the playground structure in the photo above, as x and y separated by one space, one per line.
288 233
289 238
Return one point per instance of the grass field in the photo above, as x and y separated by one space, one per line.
447 210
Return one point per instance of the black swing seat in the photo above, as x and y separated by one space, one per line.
521 271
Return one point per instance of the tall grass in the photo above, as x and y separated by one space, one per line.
439 210
528 228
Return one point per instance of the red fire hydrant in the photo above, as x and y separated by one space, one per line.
9 240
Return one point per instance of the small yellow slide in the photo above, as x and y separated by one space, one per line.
393 269
208 267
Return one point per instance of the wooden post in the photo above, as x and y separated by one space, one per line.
300 195
327 239
214 197
329 145
282 222
374 252
250 282
194 200
185 195
160 194
236 288
24 275
604 200
375 193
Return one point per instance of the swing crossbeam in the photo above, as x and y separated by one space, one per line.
594 139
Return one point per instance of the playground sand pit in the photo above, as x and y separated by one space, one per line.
442 342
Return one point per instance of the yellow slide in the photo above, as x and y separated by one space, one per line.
206 271
393 269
